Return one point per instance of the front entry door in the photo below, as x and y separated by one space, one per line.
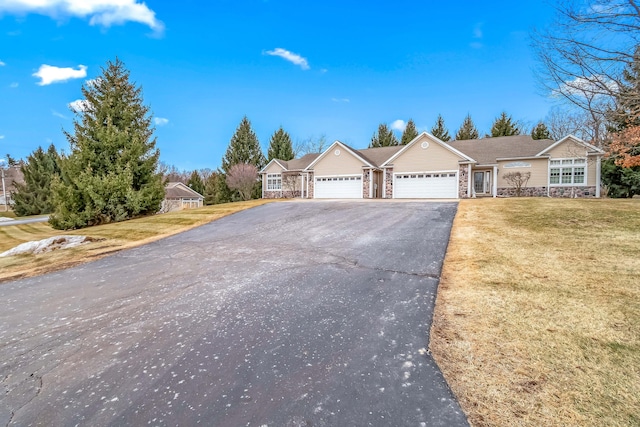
481 182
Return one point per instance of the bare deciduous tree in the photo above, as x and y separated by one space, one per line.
588 126
310 145
517 180
291 184
242 177
584 52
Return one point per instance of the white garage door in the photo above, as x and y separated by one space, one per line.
426 185
338 187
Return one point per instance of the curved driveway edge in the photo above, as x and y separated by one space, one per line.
288 314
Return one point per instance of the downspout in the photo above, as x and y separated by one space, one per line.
371 183
384 184
598 176
469 181
549 177
494 188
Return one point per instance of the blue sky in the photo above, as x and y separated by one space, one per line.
332 68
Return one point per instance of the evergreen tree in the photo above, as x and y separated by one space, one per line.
383 138
11 161
409 134
467 130
216 190
34 197
504 126
280 146
540 131
440 131
243 148
195 182
111 173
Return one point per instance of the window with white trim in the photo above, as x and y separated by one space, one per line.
567 171
274 181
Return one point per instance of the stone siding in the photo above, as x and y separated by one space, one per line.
272 194
463 181
525 192
388 191
311 185
573 192
366 183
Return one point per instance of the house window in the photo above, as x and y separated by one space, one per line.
567 171
274 181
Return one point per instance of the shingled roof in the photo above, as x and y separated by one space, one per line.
178 190
377 156
486 150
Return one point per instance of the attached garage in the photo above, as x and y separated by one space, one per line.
425 185
338 187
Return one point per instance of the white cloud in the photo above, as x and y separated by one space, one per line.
290 56
340 99
2 64
399 125
100 12
79 106
56 114
583 86
49 74
1 136
477 31
160 121
477 34
13 85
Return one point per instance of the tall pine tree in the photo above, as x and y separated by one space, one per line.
540 131
383 138
195 182
280 146
467 130
409 134
34 197
504 126
243 148
111 173
440 131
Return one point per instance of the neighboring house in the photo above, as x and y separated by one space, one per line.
428 168
180 196
12 175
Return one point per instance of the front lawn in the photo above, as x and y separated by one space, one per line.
537 320
110 238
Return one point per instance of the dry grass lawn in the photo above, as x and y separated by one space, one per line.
538 315
110 238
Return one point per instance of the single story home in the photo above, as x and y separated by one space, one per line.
179 196
428 168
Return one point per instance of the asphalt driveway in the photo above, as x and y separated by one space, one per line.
288 314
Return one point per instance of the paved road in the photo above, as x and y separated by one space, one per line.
25 221
289 314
